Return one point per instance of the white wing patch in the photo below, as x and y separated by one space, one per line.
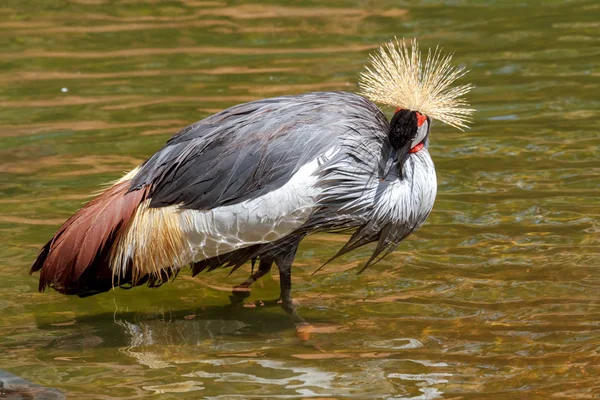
261 220
172 238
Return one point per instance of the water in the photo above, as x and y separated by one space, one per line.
496 296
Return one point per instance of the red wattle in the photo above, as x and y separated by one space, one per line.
417 148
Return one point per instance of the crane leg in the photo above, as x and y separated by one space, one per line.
283 256
242 291
284 264
285 297
264 267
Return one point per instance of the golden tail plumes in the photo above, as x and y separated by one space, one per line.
76 259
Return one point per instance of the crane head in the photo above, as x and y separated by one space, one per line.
397 77
409 131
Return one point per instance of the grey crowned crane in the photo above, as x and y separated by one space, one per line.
250 182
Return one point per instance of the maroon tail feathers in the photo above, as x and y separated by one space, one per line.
76 259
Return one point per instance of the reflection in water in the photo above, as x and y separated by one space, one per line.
216 352
425 380
396 344
179 387
144 336
308 382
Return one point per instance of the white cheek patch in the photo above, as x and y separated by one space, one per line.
421 134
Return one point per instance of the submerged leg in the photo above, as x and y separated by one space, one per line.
282 253
264 267
285 284
284 263
241 291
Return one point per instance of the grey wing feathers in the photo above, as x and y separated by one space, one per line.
254 148
246 150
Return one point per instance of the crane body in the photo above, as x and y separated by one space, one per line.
249 183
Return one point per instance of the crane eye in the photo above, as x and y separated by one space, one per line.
421 118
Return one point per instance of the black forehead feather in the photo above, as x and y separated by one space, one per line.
403 127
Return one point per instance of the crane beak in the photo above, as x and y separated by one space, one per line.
387 165
396 157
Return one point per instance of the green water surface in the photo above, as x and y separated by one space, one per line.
496 296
